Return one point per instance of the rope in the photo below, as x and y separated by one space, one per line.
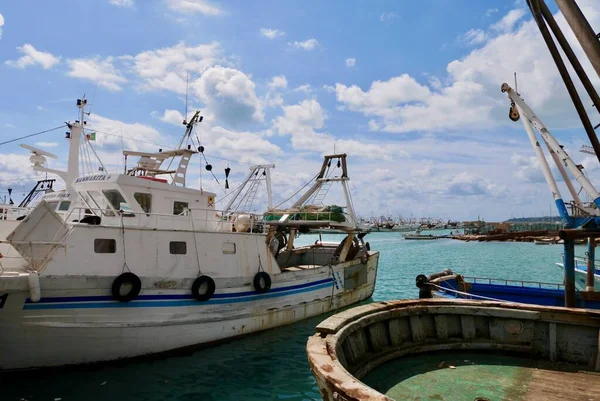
466 294
195 242
124 248
298 191
30 135
333 286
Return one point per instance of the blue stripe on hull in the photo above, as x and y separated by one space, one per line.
173 296
173 300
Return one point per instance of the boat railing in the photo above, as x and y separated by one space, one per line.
312 217
13 212
194 219
521 283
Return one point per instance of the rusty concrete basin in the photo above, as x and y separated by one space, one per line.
355 342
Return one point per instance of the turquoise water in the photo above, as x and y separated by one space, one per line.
272 365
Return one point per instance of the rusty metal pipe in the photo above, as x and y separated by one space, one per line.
582 30
569 264
578 233
564 73
591 268
564 44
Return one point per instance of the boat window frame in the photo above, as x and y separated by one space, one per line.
174 247
147 210
103 248
107 211
123 205
183 210
65 202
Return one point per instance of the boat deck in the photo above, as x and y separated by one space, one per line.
482 376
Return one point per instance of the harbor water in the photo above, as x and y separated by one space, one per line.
272 365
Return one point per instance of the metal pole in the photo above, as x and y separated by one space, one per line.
562 69
564 44
569 264
591 268
582 30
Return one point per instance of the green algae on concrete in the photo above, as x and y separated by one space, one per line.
455 376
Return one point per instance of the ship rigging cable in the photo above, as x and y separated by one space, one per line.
30 135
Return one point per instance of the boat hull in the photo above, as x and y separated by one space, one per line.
73 326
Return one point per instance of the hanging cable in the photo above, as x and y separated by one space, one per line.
124 248
195 242
30 135
298 191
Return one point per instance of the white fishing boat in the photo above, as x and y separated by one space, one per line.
158 267
61 201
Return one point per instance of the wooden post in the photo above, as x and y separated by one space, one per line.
569 264
290 242
591 265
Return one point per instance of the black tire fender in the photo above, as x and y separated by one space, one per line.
124 279
262 282
210 288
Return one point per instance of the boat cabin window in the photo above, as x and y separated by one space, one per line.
145 201
179 207
64 206
101 203
103 245
178 247
117 201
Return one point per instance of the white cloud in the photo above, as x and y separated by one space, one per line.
194 6
382 96
388 16
101 71
309 44
301 122
271 33
468 97
474 37
350 62
121 3
491 11
166 68
508 22
306 88
173 117
32 56
46 144
229 94
278 82
374 126
1 24
112 135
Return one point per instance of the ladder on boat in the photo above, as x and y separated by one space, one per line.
322 193
250 196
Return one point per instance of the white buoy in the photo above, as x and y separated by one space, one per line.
35 292
243 222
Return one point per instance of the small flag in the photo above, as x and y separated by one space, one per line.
91 136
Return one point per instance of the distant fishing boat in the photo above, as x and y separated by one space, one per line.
581 273
418 236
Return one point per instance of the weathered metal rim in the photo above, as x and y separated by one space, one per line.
323 347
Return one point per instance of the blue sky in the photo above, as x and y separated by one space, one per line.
409 90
